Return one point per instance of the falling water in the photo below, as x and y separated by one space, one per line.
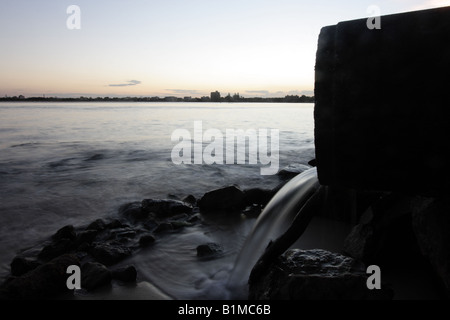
273 221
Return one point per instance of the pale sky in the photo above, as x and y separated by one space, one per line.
170 47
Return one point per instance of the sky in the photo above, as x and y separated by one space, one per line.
170 48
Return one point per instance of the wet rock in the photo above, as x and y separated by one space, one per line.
109 253
125 274
55 249
315 275
146 240
190 199
94 275
209 250
114 224
45 281
21 265
227 198
162 227
384 234
66 232
252 211
257 196
431 225
179 224
292 170
85 237
165 208
98 225
134 212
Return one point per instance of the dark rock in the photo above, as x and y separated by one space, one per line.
134 212
431 225
162 227
223 199
165 208
45 281
67 232
190 199
125 274
258 196
115 224
21 265
123 233
193 218
209 250
98 225
292 170
55 249
87 236
150 224
252 211
109 253
312 163
179 224
384 234
94 275
146 240
315 275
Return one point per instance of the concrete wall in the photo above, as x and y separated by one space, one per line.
382 113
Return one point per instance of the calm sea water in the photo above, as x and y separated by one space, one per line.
71 163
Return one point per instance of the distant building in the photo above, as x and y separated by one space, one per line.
215 96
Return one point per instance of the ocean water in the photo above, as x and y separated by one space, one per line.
71 163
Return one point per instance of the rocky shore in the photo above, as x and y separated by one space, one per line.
391 230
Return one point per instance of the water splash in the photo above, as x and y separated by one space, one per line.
273 221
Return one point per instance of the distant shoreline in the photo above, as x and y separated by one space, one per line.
227 99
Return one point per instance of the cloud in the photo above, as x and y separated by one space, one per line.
128 83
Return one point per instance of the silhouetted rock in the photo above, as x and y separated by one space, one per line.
125 274
94 275
257 196
108 253
133 211
292 170
98 225
209 250
190 199
45 281
223 199
146 240
166 207
55 249
315 275
67 232
431 225
163 226
21 265
85 237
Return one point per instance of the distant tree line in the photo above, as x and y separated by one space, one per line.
228 98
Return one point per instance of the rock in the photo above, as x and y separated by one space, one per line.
21 265
45 281
114 224
431 225
312 163
67 232
94 275
257 196
190 199
146 240
109 253
227 198
209 250
98 225
384 234
55 249
162 227
165 208
315 275
292 170
133 211
125 274
85 237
